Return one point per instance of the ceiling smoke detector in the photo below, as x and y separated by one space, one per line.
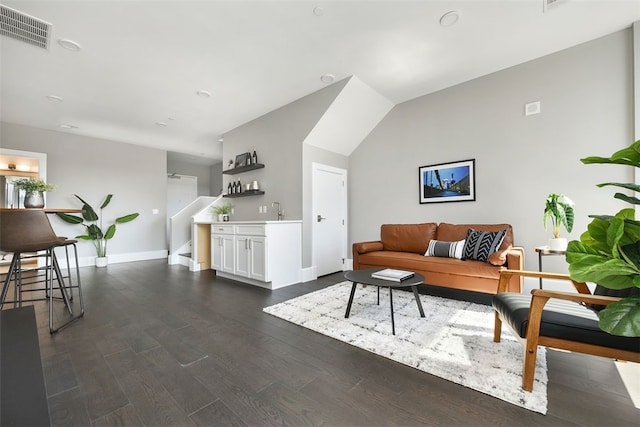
24 28
449 18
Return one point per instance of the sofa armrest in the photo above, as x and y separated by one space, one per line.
363 248
515 258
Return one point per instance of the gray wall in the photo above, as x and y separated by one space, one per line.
215 182
587 109
277 138
93 168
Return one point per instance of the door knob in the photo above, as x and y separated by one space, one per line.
320 218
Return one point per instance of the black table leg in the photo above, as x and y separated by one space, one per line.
417 297
378 294
353 291
393 324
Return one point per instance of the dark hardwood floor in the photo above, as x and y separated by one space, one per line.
160 345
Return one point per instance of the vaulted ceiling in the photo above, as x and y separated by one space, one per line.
176 75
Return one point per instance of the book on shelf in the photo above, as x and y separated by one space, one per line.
392 274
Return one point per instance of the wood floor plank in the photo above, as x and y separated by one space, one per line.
217 415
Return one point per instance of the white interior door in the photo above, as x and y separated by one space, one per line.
329 187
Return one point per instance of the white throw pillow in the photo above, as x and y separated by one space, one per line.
445 249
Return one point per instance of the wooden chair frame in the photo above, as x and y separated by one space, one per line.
539 298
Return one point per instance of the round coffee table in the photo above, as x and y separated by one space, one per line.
364 278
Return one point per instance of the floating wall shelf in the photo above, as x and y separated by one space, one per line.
244 194
242 169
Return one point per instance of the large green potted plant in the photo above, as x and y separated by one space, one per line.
94 227
559 209
34 189
608 253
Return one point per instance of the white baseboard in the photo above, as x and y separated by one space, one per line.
309 274
113 259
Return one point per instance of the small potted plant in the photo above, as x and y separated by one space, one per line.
223 211
559 209
34 191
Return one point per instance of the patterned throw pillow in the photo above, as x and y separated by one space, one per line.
480 245
445 249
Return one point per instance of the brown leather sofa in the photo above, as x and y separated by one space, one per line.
402 246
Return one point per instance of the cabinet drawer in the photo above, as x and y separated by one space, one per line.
221 229
250 230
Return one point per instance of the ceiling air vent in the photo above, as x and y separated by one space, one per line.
23 27
550 4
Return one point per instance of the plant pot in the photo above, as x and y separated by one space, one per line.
34 199
102 261
559 244
220 217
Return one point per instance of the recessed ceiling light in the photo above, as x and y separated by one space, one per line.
318 11
54 98
203 94
69 45
327 78
449 18
67 126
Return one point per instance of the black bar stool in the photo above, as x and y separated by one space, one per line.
24 232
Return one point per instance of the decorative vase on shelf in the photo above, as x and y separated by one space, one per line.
102 261
220 217
558 244
34 199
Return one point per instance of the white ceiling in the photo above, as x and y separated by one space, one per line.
143 61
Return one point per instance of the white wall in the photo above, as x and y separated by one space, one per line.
587 109
93 168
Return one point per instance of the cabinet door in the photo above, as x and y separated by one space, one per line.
258 258
216 252
228 254
242 256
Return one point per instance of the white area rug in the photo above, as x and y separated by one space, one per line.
454 341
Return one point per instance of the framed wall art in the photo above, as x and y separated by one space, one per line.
448 182
241 160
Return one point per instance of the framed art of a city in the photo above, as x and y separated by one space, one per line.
448 182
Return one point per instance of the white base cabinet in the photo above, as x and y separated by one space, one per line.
262 253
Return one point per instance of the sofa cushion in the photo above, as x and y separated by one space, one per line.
480 245
407 237
451 232
419 263
445 249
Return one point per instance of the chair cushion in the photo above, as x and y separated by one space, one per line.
560 319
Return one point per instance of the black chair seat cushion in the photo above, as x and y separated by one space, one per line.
560 319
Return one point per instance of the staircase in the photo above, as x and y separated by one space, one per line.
182 229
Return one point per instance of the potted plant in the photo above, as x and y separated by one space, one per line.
34 191
223 211
94 229
608 253
558 209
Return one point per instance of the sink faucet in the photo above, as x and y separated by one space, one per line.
280 212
